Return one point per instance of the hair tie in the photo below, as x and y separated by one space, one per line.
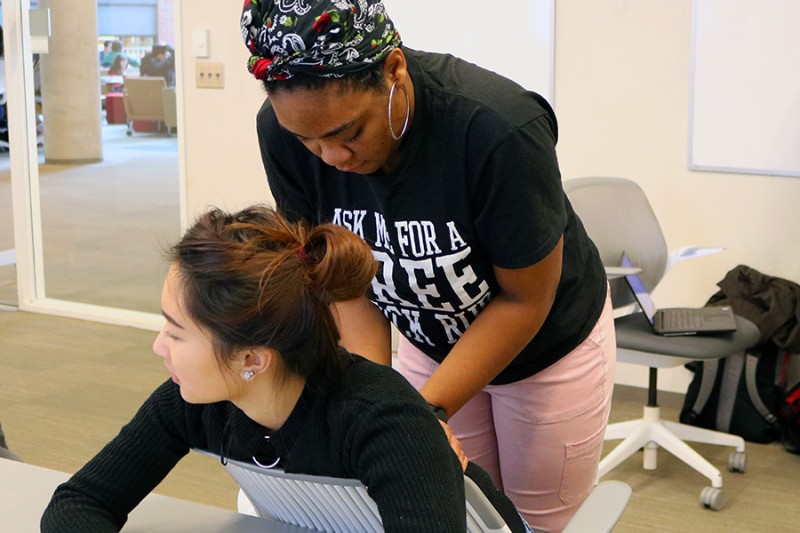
304 257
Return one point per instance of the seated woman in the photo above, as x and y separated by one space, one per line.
257 375
118 68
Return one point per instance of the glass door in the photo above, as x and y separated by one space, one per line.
8 276
103 187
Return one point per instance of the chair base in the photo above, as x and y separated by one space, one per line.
650 433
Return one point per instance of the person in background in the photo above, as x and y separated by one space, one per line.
160 62
118 68
106 49
116 50
257 375
3 97
449 172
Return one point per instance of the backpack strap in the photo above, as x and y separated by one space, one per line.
708 377
734 364
752 390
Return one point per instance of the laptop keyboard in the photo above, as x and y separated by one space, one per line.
680 320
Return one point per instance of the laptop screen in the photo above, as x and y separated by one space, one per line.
639 290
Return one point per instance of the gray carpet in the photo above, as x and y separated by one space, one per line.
104 225
67 386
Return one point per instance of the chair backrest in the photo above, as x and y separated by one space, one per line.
144 99
618 218
334 504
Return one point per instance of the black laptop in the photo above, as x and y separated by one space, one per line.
678 320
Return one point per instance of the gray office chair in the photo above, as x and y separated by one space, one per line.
618 217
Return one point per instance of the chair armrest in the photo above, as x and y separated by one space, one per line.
244 505
481 510
615 272
618 271
602 509
690 252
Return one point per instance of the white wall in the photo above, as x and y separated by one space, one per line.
622 97
529 30
223 165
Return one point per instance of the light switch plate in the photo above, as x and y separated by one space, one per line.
200 42
209 75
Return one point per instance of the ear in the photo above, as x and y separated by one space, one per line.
258 360
395 67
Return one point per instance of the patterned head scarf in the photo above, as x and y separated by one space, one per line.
316 37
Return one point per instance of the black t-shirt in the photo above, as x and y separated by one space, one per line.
478 185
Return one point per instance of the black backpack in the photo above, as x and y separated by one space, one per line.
736 394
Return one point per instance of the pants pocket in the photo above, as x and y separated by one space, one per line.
580 467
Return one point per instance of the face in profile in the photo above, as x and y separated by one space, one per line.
187 350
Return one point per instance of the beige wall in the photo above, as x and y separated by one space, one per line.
223 166
622 87
622 96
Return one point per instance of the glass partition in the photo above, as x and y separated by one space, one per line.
99 224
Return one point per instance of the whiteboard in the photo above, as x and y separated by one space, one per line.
516 42
745 95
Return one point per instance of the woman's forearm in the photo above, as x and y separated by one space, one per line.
504 327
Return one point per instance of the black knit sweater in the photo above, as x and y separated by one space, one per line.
372 426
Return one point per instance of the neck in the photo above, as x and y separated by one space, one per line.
269 401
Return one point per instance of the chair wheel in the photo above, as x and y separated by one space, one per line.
129 133
712 498
737 462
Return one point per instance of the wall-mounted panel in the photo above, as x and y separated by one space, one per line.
745 99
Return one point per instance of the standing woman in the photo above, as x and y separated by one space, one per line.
449 173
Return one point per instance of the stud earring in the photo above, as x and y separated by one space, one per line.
247 375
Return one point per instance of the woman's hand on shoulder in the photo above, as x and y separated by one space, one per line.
455 444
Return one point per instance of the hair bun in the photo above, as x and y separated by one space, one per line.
342 263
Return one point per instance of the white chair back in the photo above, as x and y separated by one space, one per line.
335 504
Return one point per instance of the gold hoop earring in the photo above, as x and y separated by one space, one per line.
408 112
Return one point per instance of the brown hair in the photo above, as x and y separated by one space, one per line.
116 66
254 279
